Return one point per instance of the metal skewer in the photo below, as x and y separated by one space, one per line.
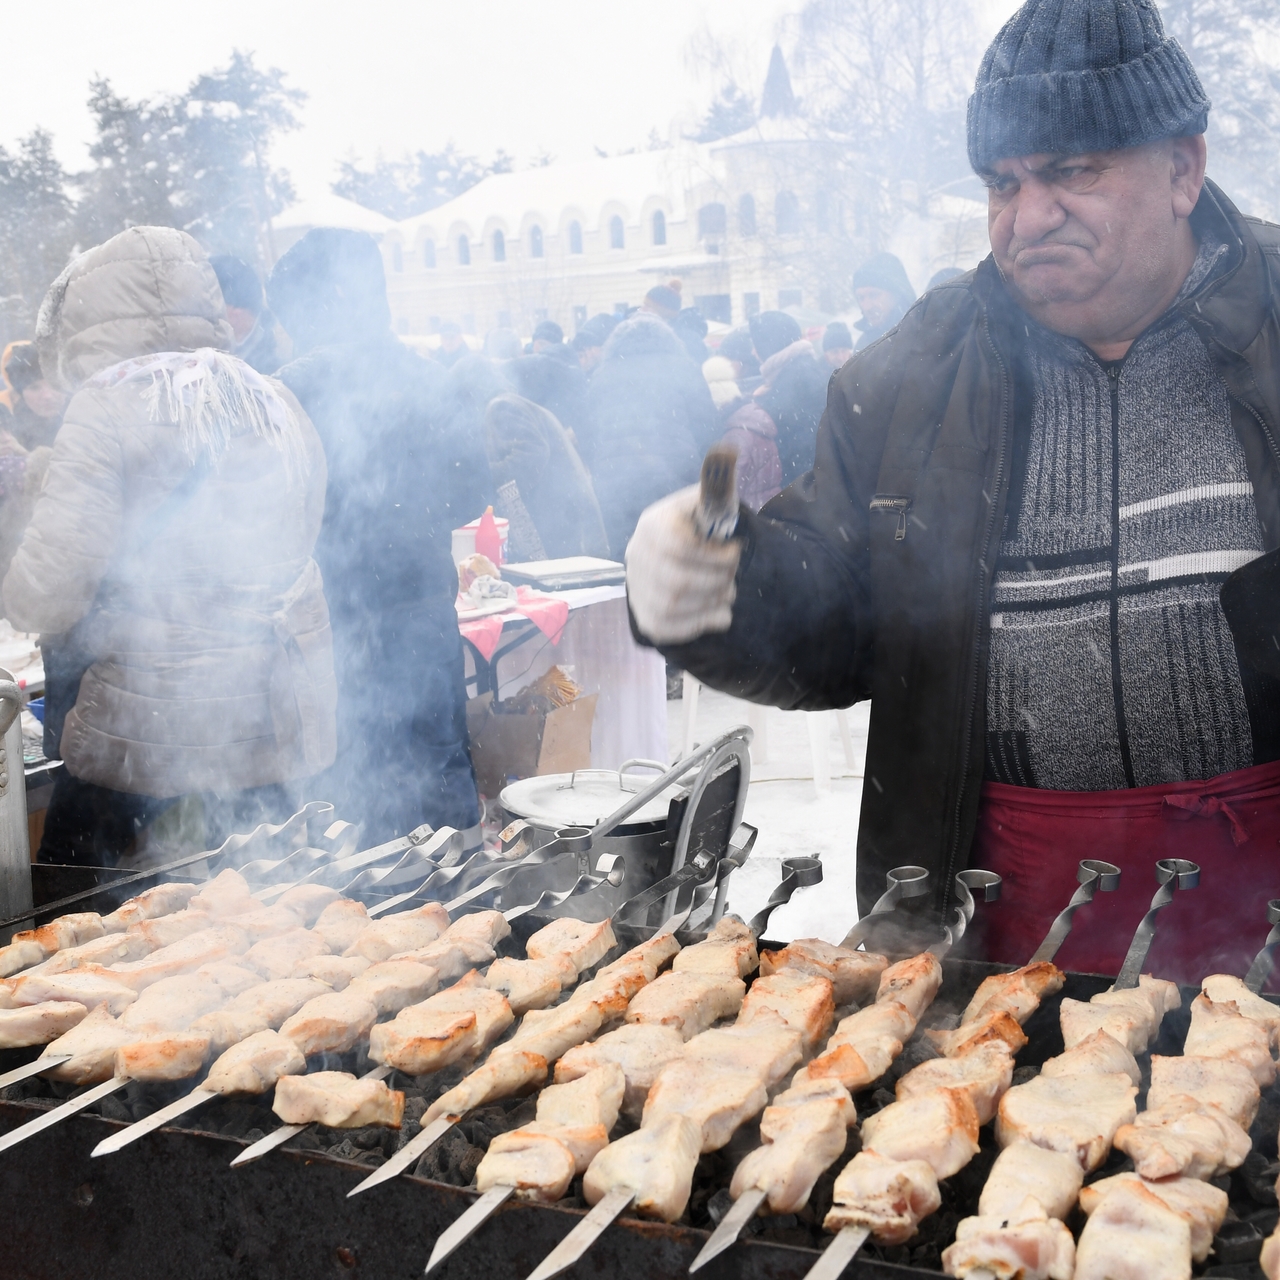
1093 876
33 1069
278 1137
458 1233
731 1226
1171 874
58 1114
839 1253
1264 962
585 1234
156 1120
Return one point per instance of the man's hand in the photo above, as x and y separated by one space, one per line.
680 585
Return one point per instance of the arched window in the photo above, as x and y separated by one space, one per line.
659 227
429 254
711 221
464 251
499 247
617 233
575 237
786 214
397 258
746 215
535 242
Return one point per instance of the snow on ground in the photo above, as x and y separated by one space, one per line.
792 816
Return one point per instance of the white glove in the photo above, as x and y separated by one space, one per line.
680 585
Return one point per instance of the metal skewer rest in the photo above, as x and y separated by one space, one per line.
1264 962
1171 874
1093 876
902 883
797 873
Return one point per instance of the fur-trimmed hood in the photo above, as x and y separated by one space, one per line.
643 335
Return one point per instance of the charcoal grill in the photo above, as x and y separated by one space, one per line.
170 1206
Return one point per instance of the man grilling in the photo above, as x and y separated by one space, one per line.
1029 503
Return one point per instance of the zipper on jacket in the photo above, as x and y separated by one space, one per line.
1113 626
948 885
893 502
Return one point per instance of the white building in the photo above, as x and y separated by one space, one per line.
748 223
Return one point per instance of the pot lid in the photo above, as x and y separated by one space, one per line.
584 798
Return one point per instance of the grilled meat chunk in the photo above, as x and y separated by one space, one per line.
162 1055
912 982
453 1024
92 1044
1025 1245
1023 1169
1200 1204
255 1064
162 900
1134 1235
985 1074
690 1002
1018 993
331 1023
1100 1053
939 1127
227 894
656 1163
393 985
888 1197
801 1001
39 1023
728 951
641 1050
337 1099
1226 1083
585 942
1077 1115
1219 1030
341 923
1184 1136
854 975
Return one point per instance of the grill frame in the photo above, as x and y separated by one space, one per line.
170 1205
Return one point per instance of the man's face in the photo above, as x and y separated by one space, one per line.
44 400
875 304
838 357
1091 243
589 357
241 320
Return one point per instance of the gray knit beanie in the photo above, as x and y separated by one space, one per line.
1068 76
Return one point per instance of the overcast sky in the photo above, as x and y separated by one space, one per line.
561 76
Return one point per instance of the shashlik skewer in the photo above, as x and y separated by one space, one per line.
152 1038
656 1031
543 1036
463 1029
311 1015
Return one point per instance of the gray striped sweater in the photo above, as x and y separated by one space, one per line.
1111 663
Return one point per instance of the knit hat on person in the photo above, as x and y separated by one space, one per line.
548 331
771 331
837 337
1070 76
664 300
885 271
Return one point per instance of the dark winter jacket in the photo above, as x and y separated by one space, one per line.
530 449
650 420
558 387
793 392
399 482
870 577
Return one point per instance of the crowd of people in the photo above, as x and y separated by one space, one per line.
226 507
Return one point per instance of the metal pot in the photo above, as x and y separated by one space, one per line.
584 798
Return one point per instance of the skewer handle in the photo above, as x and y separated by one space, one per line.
456 1235
732 1225
839 1253
584 1235
1264 961
1171 874
1093 876
901 882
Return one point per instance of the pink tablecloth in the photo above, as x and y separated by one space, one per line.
545 612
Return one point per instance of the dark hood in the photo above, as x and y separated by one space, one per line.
330 288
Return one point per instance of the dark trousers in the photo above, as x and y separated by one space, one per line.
89 825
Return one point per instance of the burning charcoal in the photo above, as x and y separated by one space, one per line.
1237 1242
112 1108
1264 1220
253 1135
413 1109
719 1204
238 1118
1258 1176
483 1125
880 1099
368 1138
453 1159
1022 1074
1263 1130
345 1150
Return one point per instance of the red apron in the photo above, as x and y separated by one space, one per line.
1229 825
